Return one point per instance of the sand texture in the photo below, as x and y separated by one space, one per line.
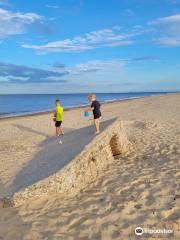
140 187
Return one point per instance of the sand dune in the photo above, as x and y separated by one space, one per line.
140 188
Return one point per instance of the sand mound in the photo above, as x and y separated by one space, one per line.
83 169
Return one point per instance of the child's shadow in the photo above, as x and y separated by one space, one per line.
54 155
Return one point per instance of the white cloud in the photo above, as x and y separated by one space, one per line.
128 13
99 65
52 6
169 30
17 74
96 39
93 66
166 20
13 23
171 42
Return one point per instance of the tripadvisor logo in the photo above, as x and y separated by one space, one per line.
138 231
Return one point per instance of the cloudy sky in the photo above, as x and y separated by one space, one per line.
60 46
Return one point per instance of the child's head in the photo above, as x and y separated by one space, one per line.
58 102
92 97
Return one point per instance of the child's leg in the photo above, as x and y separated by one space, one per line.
57 131
61 130
96 124
89 121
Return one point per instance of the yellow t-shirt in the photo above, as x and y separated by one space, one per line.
59 113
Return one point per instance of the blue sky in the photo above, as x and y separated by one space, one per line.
64 46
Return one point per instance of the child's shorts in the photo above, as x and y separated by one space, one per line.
58 123
97 115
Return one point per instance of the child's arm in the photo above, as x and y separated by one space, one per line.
89 109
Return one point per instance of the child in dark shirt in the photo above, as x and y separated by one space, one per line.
95 108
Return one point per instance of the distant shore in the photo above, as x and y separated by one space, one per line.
21 115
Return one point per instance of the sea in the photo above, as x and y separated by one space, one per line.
23 104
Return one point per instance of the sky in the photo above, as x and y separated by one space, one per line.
72 46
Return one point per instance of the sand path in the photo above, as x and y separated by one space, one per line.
51 155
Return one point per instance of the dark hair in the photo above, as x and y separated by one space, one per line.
57 100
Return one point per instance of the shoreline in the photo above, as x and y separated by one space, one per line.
31 114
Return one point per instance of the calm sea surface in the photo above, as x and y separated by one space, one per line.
21 104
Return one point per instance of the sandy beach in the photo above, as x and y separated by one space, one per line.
138 189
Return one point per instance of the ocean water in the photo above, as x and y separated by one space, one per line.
22 104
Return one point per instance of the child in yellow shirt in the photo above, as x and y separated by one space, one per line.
58 118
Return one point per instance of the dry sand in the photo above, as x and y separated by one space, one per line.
140 188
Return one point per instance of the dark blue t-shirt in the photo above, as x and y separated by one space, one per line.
96 108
